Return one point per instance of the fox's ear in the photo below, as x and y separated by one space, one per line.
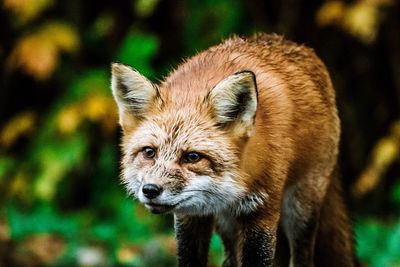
133 93
234 101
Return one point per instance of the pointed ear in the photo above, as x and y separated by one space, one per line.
234 101
133 93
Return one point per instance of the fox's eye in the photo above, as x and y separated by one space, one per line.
191 157
148 152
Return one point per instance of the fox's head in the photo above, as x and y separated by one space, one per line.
182 151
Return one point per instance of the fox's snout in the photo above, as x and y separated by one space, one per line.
151 191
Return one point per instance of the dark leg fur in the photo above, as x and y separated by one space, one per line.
282 251
300 216
257 239
258 248
334 244
229 239
193 236
303 253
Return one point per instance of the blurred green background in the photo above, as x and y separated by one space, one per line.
61 203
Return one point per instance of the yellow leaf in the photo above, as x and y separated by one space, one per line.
19 185
46 185
36 55
361 20
330 12
385 152
21 124
101 108
62 35
26 10
96 107
367 181
145 8
69 119
128 254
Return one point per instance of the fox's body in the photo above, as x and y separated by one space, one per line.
243 136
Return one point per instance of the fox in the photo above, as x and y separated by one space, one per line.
241 138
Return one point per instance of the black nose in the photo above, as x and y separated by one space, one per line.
151 190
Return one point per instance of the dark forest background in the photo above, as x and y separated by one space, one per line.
61 203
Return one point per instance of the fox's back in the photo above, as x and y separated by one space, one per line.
274 60
296 114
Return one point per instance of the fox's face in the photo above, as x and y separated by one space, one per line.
183 155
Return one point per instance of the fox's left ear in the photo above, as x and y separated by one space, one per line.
234 101
133 93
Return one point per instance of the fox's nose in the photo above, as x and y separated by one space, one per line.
151 190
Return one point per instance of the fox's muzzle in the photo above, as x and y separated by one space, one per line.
151 191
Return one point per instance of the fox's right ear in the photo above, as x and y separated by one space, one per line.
133 93
234 101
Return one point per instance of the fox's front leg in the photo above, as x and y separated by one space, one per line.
193 236
258 233
300 216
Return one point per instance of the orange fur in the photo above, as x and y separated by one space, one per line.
273 169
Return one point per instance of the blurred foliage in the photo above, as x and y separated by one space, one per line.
359 18
61 201
26 10
384 154
38 53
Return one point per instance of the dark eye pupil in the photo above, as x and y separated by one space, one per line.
149 152
192 157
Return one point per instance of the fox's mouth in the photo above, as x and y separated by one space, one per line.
158 208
